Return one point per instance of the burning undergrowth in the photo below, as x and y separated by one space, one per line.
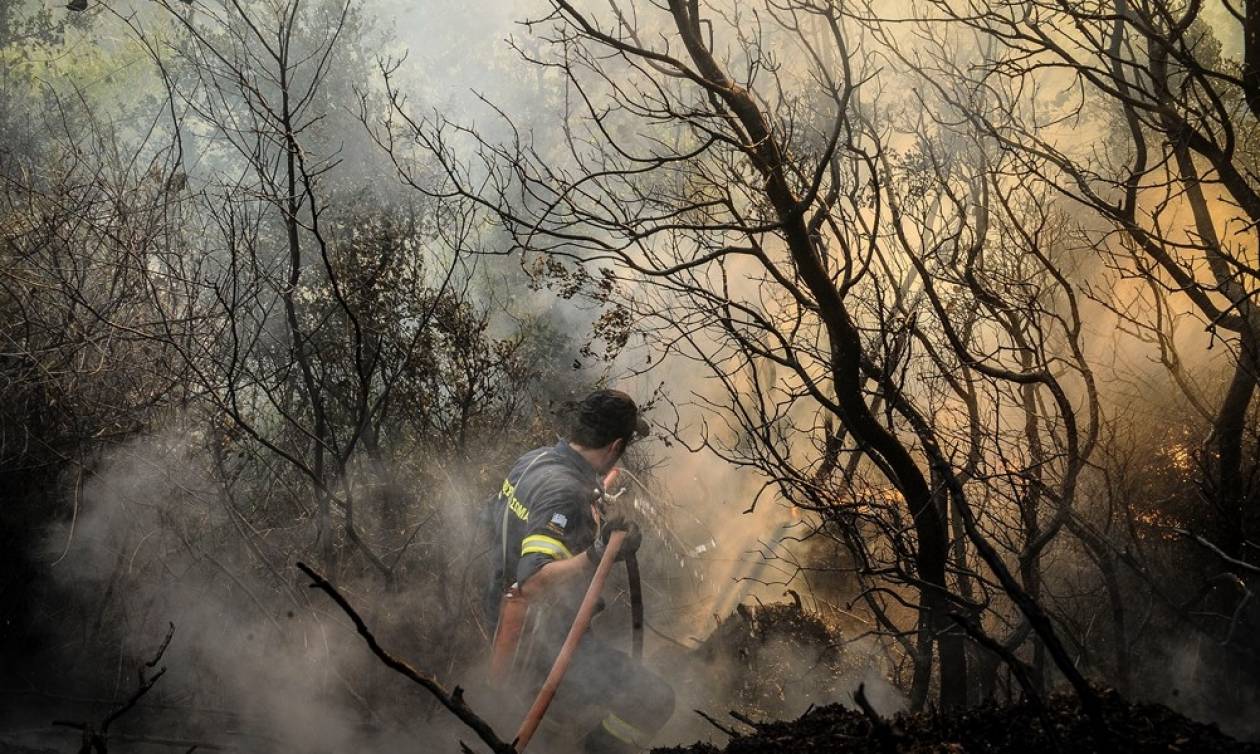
770 661
762 661
1126 727
766 659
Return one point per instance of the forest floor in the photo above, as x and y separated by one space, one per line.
768 662
1128 728
1021 727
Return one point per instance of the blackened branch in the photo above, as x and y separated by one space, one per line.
452 700
882 731
96 738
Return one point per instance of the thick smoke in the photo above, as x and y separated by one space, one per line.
261 662
156 540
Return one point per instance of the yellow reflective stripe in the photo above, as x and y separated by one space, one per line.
542 544
624 731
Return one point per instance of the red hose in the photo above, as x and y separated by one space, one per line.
561 665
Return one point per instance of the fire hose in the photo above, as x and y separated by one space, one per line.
580 624
636 606
632 582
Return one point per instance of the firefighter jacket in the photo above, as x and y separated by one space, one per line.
542 513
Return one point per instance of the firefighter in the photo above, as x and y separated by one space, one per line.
550 534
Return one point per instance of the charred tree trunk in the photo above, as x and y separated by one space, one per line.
1228 435
951 637
845 349
1030 564
1251 56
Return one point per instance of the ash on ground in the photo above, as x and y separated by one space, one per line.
769 662
787 667
1127 728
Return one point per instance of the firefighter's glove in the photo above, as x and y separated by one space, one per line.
629 545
